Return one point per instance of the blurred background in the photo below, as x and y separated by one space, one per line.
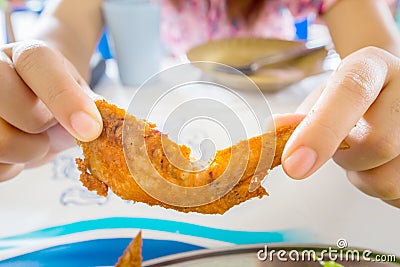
18 17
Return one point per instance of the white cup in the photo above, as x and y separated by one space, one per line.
134 26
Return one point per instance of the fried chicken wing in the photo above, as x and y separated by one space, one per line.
146 166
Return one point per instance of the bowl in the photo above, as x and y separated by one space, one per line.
240 51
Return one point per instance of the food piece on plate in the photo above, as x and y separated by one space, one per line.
132 256
230 177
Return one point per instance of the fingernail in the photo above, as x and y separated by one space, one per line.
300 162
85 126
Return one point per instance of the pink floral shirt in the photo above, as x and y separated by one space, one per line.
198 21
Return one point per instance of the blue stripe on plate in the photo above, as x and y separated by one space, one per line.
100 252
231 236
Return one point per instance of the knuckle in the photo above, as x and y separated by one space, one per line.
361 76
383 148
358 87
356 82
56 94
25 55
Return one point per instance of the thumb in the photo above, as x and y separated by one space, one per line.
57 83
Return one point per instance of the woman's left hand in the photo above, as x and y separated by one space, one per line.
361 104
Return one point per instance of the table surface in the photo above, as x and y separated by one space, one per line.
39 207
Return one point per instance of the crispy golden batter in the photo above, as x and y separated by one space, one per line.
105 165
132 256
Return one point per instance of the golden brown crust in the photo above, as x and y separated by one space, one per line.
89 181
132 256
105 165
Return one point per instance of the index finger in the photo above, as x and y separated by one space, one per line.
349 92
54 80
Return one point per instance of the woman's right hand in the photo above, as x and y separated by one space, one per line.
44 105
361 104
